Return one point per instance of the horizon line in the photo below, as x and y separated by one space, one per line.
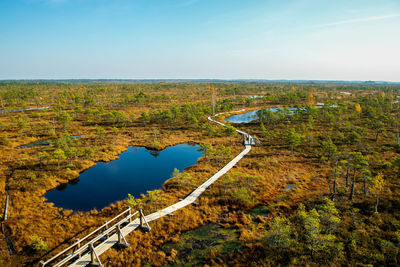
199 79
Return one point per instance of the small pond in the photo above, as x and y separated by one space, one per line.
22 109
290 187
136 171
46 142
254 96
259 211
251 115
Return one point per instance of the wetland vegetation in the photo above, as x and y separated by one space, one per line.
322 188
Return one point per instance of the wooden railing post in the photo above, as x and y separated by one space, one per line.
119 234
94 257
121 238
78 245
146 227
92 254
141 217
106 226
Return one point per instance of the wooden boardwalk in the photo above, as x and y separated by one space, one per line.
87 256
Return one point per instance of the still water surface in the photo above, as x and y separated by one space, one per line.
251 115
136 171
46 142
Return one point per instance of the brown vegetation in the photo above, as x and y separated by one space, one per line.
312 151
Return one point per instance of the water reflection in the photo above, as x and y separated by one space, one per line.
136 171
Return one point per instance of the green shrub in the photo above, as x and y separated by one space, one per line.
155 145
4 141
37 244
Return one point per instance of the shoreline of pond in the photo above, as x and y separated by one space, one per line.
116 158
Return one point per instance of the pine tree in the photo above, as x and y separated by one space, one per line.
280 235
59 155
377 189
329 216
292 139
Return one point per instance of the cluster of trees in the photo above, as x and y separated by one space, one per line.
22 124
117 118
179 180
64 148
151 201
342 144
187 114
218 155
343 128
314 231
291 98
20 97
239 189
358 141
138 98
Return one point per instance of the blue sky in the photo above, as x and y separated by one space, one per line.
225 39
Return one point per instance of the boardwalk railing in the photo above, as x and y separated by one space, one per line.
6 207
250 140
88 243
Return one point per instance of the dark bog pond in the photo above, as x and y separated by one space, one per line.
252 115
290 187
46 142
22 109
243 118
136 171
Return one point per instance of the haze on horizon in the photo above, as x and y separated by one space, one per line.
194 39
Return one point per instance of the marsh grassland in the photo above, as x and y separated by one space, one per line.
322 188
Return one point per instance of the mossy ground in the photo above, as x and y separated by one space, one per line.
196 245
